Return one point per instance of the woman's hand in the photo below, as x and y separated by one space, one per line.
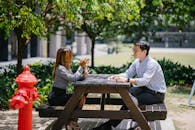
112 77
84 62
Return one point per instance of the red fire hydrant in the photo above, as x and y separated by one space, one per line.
23 98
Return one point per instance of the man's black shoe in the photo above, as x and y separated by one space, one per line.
105 126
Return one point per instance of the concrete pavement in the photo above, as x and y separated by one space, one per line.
9 120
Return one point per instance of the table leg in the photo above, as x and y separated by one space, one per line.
102 101
135 111
69 108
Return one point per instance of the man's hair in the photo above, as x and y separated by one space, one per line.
143 46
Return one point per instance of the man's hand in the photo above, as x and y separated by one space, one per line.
118 78
121 79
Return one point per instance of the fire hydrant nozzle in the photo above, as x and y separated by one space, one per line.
23 98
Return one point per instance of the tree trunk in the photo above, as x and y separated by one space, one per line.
92 52
21 44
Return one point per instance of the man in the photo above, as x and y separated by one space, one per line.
149 85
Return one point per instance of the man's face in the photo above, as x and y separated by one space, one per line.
138 53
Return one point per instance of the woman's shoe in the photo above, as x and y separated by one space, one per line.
74 125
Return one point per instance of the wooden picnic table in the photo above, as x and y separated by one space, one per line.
98 83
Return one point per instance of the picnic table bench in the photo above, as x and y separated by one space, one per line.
151 112
145 113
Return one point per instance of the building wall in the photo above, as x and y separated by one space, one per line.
42 47
173 39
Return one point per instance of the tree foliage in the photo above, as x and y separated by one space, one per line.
27 18
160 14
99 16
95 17
20 14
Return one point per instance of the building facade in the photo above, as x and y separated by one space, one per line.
42 47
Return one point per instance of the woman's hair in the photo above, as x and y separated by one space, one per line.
63 57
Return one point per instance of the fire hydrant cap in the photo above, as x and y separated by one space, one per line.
26 77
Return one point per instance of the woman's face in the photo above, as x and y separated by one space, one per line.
66 58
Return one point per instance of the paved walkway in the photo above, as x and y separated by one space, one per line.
9 120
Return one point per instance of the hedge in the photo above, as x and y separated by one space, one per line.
175 74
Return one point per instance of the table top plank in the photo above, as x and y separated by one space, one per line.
99 80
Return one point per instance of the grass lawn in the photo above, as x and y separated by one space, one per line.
184 58
125 57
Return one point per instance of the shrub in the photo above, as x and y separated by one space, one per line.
7 84
175 73
43 72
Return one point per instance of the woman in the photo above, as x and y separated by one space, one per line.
63 76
